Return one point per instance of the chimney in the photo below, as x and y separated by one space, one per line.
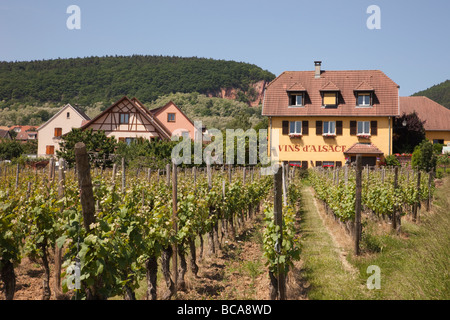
317 65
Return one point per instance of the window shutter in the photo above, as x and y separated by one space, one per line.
50 150
353 128
319 127
329 99
373 128
339 128
318 163
285 125
304 164
305 127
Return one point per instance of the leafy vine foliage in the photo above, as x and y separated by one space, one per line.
134 227
378 194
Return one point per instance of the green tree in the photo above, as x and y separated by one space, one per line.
423 156
242 121
96 142
145 153
407 137
10 149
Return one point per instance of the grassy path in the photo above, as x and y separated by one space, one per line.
323 263
413 264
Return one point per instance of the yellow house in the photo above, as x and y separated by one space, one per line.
326 118
436 117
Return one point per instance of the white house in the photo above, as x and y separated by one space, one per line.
49 134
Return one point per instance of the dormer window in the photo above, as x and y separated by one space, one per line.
364 99
296 93
296 100
329 99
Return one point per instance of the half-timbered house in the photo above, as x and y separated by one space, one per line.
128 120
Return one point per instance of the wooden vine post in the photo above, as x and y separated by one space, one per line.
358 190
430 179
417 201
85 184
175 225
124 182
211 247
278 219
87 205
58 250
395 215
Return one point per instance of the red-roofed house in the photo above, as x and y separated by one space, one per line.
323 117
128 120
436 117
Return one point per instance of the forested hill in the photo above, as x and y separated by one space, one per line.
85 81
439 93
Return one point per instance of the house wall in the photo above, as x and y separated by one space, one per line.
138 125
46 135
181 122
313 147
441 135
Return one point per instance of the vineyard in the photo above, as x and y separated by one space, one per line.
384 191
134 229
149 224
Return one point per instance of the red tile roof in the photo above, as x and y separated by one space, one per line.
296 87
330 86
385 102
363 148
436 116
159 126
364 86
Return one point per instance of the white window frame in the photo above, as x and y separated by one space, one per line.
366 94
329 133
364 125
296 102
297 124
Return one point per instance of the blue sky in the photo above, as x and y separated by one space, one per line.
412 47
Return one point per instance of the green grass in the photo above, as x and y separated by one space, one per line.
414 265
322 267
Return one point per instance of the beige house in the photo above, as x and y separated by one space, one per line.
49 134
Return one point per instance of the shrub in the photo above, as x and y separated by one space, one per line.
391 160
423 156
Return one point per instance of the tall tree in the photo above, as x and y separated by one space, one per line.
408 133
